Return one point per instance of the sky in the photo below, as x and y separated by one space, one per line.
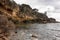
51 6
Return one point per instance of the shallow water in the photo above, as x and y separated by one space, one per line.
49 31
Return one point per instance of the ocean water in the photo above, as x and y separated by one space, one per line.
49 31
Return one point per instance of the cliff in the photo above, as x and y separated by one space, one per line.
21 13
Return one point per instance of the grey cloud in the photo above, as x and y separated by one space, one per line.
55 3
40 3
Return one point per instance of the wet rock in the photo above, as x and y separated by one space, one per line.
34 37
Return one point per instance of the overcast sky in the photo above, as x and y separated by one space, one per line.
52 6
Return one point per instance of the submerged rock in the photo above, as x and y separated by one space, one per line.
34 37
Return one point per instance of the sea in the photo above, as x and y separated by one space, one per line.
49 31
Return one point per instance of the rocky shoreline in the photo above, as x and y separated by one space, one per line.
13 14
